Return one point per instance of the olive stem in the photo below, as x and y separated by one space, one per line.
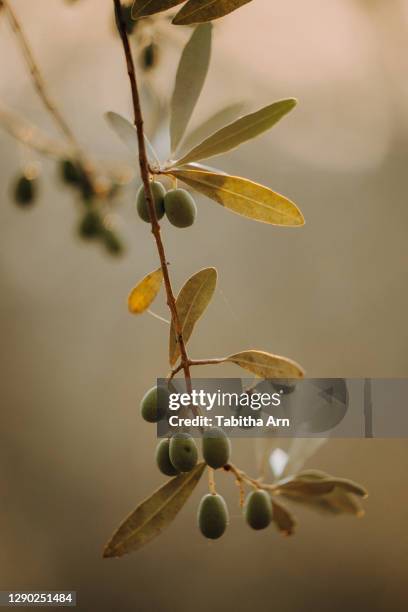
211 481
196 362
145 175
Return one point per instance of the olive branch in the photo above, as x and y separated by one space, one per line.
178 456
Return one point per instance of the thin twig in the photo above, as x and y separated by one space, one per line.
38 79
211 481
145 174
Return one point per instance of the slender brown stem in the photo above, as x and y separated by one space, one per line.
145 174
203 362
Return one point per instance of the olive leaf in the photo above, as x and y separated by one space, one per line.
127 133
154 514
145 292
213 123
266 365
342 499
191 74
284 520
198 11
341 483
240 131
124 129
191 303
335 502
242 196
142 8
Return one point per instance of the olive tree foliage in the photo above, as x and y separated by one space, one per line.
97 188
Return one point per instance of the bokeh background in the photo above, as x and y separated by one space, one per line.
75 456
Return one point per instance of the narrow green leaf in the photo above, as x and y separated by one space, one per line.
240 131
127 133
344 484
266 365
342 499
198 11
334 503
154 514
145 292
283 519
213 123
124 129
191 303
242 196
142 8
191 74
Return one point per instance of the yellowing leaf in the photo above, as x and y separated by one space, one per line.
154 514
266 365
210 125
197 11
242 196
142 8
191 74
241 130
145 292
191 303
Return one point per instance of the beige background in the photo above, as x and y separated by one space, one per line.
75 456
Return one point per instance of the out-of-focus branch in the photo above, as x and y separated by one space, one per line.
38 79
33 137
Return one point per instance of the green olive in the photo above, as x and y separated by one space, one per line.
216 448
70 172
154 404
91 225
149 56
212 516
158 192
181 210
163 459
25 191
112 242
258 509
183 452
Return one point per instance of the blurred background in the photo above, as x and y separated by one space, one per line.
75 455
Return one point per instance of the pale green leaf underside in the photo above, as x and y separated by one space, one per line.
199 11
211 125
242 196
124 129
154 514
127 133
191 74
240 131
142 8
191 304
265 365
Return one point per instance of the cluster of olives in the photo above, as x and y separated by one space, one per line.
179 454
91 226
177 204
